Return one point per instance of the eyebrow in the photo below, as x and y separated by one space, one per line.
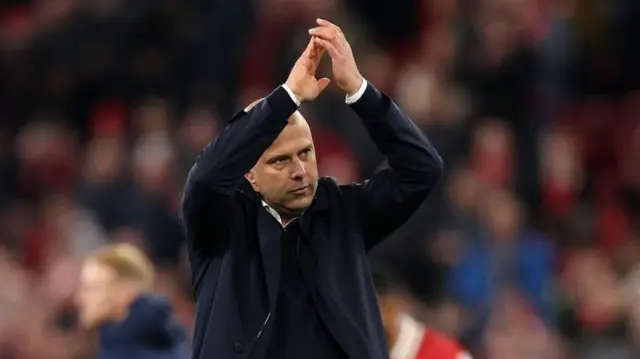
306 148
284 157
278 158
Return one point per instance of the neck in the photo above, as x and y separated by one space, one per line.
285 220
284 215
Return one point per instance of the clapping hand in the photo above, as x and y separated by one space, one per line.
302 79
345 71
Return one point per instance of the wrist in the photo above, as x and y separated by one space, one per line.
293 94
357 83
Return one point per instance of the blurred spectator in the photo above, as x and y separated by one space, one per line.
504 258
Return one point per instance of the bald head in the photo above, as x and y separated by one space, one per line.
297 116
286 175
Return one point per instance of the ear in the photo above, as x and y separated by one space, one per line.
250 176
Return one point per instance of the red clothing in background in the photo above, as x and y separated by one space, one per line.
417 342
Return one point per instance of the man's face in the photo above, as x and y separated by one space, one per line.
286 175
97 294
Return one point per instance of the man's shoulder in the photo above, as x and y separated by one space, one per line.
331 188
328 182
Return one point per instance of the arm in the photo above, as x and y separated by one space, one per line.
390 197
387 200
214 177
207 202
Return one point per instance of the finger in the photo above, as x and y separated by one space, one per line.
310 49
325 33
327 23
307 57
323 22
332 50
322 84
318 53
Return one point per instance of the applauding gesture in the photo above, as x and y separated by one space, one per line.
302 79
345 71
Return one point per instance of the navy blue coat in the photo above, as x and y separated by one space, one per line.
235 255
150 331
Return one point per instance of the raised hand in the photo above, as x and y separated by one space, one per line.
345 70
302 79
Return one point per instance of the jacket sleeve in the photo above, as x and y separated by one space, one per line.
389 198
207 203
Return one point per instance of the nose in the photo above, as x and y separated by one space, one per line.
298 171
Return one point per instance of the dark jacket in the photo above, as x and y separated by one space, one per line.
149 331
235 256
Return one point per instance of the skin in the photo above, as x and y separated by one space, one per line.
101 296
286 175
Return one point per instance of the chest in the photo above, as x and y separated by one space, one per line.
322 246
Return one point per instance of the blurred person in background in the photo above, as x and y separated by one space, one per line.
114 297
515 331
279 256
594 311
408 338
504 257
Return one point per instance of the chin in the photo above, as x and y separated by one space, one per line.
299 205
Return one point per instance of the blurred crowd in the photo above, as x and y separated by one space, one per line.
529 248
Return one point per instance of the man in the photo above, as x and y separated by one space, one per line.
407 338
278 256
114 298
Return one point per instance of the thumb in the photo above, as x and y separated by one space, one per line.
322 84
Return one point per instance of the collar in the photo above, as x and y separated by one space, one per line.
275 214
409 338
321 202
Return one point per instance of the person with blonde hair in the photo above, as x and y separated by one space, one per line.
115 297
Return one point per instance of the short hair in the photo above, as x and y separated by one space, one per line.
128 262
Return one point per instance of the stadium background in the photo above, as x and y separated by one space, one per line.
529 248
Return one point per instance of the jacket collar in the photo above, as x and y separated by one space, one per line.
269 234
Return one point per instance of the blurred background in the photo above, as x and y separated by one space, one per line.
529 247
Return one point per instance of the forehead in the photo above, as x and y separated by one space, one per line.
295 136
93 271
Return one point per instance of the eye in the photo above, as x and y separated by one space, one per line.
278 163
305 153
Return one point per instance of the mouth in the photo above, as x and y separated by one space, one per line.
300 190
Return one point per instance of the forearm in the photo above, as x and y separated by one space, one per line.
390 197
239 146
